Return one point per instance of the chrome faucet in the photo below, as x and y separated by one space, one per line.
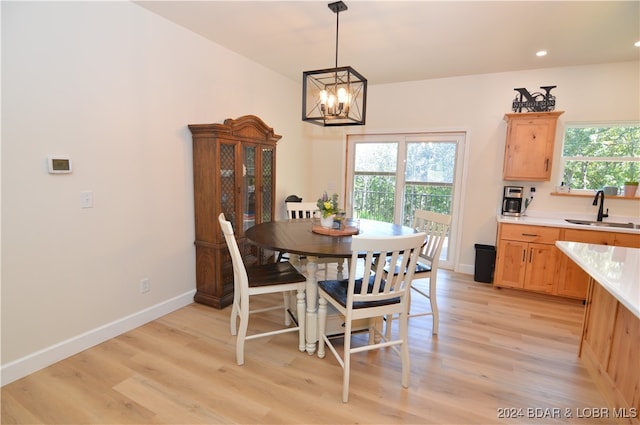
601 214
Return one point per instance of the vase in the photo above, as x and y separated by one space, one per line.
630 190
327 221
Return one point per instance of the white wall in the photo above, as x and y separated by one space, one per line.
113 86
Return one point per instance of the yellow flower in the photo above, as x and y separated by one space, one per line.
327 205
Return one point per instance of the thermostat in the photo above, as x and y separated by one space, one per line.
59 164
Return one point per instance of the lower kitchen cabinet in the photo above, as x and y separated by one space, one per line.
610 349
528 259
573 280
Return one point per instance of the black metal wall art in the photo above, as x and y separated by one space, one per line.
534 102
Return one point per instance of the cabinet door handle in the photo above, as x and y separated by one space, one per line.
546 164
524 255
530 254
529 234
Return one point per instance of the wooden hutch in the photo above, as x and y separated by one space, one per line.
233 173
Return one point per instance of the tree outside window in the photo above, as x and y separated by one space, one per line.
594 156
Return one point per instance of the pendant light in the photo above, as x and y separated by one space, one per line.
334 96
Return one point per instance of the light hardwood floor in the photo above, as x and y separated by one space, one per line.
496 350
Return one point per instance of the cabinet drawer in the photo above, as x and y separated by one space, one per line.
629 240
589 236
538 234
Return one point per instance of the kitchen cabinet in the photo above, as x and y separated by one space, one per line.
233 173
573 280
610 339
529 146
610 349
526 257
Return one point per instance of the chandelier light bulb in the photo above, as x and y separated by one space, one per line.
342 95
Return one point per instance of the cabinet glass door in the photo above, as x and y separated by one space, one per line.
267 185
227 182
248 187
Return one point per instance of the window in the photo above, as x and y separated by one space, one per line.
594 156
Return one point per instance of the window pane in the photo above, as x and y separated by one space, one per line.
602 141
374 197
376 157
603 144
596 175
375 180
430 162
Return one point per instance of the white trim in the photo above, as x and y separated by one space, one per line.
40 359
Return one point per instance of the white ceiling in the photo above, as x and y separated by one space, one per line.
393 41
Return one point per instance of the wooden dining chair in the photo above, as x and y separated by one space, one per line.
308 210
436 226
371 297
257 280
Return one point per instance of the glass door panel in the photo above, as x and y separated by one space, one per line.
429 178
248 187
374 181
227 182
267 184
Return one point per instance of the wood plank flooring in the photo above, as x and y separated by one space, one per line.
498 354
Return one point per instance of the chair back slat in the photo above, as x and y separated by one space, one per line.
436 226
241 280
297 210
374 287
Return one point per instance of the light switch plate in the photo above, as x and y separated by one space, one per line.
86 199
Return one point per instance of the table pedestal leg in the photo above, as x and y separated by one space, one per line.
312 304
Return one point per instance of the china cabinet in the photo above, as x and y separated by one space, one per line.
233 173
529 146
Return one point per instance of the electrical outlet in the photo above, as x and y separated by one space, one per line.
533 189
145 285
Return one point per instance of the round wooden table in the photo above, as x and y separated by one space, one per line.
297 237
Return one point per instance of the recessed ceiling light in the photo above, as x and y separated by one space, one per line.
541 53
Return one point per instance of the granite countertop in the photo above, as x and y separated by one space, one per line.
558 220
616 268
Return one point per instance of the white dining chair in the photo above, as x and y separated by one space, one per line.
436 227
309 210
257 280
371 297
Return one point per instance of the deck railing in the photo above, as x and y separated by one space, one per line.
379 205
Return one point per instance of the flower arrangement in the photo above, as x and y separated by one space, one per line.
328 206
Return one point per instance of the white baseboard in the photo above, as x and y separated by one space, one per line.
466 268
35 361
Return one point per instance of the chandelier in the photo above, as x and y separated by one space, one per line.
334 96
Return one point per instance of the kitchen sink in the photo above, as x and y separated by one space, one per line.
603 223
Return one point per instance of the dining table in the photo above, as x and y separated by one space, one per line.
304 238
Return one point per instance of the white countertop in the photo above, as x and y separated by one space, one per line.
616 268
559 221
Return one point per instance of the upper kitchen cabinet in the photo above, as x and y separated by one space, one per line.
529 148
233 173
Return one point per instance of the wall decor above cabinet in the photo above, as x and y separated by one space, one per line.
534 102
528 150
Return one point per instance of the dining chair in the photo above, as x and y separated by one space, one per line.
436 226
371 297
257 280
308 210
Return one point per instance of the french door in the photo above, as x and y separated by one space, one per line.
392 175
